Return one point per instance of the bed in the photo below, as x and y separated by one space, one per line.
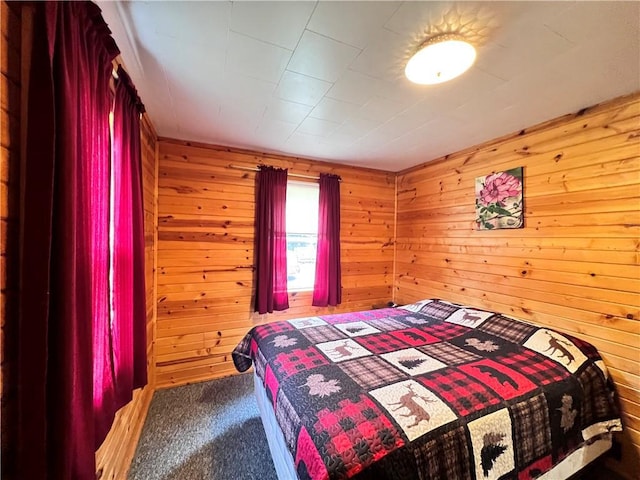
431 390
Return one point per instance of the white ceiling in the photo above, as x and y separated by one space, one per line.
325 80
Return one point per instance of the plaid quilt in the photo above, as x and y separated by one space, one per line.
432 390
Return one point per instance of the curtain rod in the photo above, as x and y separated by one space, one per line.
256 169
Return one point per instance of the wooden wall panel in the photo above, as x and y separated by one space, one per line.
114 456
205 252
574 266
10 53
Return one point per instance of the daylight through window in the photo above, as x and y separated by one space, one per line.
302 234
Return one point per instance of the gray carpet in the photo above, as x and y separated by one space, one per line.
210 430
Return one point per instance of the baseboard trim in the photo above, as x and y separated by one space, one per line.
114 457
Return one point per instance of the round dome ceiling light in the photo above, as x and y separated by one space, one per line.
440 59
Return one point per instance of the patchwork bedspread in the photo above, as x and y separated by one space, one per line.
431 390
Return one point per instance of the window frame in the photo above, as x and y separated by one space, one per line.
316 186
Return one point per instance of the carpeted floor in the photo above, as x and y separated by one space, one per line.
209 430
212 431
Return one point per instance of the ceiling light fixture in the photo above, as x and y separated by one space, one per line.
439 59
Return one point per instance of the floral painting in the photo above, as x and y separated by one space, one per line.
499 200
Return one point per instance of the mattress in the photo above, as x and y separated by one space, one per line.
430 390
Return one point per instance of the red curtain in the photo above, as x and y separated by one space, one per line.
64 267
122 359
271 240
81 334
327 289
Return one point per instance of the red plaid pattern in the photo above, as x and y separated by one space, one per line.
414 337
505 381
356 430
263 331
380 342
271 384
535 469
535 366
463 393
298 360
447 331
309 464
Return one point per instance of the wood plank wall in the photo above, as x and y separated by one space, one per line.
10 53
205 252
114 456
574 266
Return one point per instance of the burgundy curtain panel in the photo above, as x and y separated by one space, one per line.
65 257
67 383
327 289
127 355
271 240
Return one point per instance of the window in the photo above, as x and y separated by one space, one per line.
302 234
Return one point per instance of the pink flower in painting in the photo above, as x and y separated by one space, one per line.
497 187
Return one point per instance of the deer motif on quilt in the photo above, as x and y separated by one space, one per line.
556 345
343 351
408 401
470 317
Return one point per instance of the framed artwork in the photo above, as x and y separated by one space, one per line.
499 200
